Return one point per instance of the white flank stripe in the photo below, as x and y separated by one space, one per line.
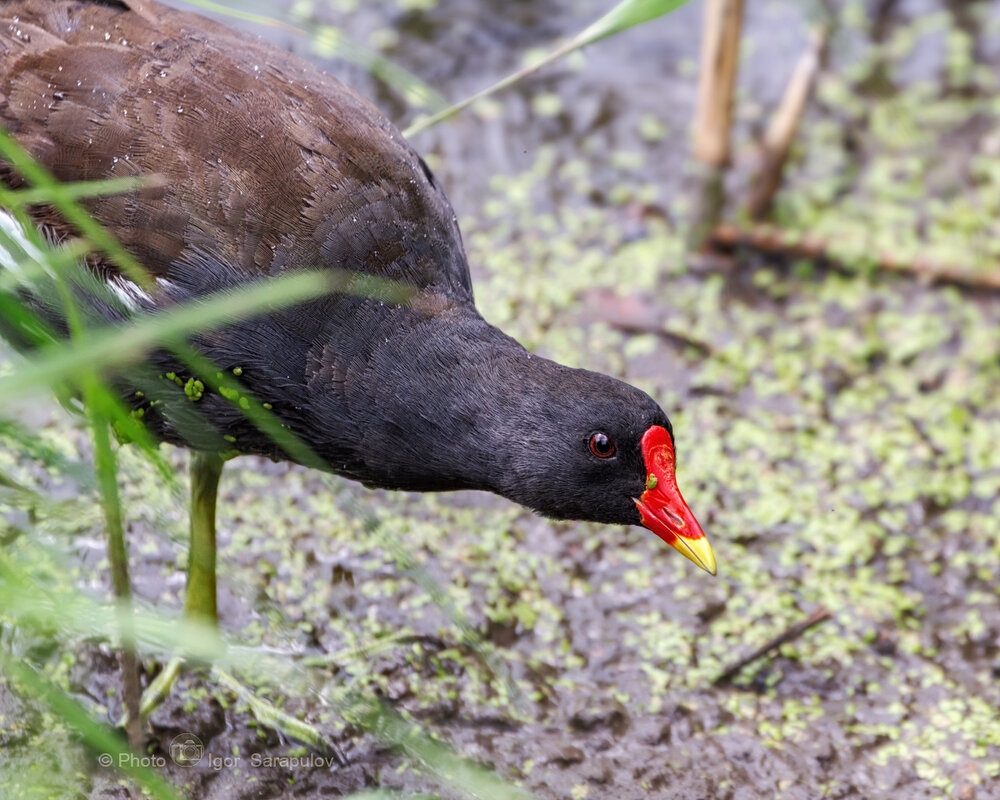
129 293
16 248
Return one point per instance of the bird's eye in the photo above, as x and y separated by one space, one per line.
601 446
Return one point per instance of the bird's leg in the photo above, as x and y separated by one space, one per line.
200 601
200 605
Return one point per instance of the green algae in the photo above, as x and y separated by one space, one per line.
194 389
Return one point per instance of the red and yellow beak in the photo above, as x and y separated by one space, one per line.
662 508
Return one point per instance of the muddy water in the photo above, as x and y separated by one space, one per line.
836 435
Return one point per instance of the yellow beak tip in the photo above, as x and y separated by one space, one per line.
698 551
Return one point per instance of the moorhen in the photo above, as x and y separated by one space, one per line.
269 165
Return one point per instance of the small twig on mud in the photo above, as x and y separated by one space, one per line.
821 614
638 315
769 239
921 431
784 125
681 340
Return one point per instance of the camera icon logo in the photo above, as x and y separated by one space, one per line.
186 750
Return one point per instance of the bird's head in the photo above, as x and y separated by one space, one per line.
602 450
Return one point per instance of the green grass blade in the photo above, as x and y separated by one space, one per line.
67 611
438 758
43 271
81 190
106 469
243 400
74 213
99 738
118 346
625 15
30 270
247 16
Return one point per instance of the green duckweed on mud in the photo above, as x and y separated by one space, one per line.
837 436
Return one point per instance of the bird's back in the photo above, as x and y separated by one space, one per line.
267 163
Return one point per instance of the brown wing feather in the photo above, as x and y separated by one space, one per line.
268 163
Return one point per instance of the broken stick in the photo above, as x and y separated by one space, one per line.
821 614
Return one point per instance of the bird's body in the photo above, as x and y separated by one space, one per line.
269 165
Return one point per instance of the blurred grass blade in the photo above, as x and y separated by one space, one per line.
29 270
247 16
106 470
26 602
470 637
54 193
243 400
625 15
41 270
99 738
81 190
117 346
327 41
447 765
38 450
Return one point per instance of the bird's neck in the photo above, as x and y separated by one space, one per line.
444 405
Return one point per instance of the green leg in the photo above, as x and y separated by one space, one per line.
200 602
